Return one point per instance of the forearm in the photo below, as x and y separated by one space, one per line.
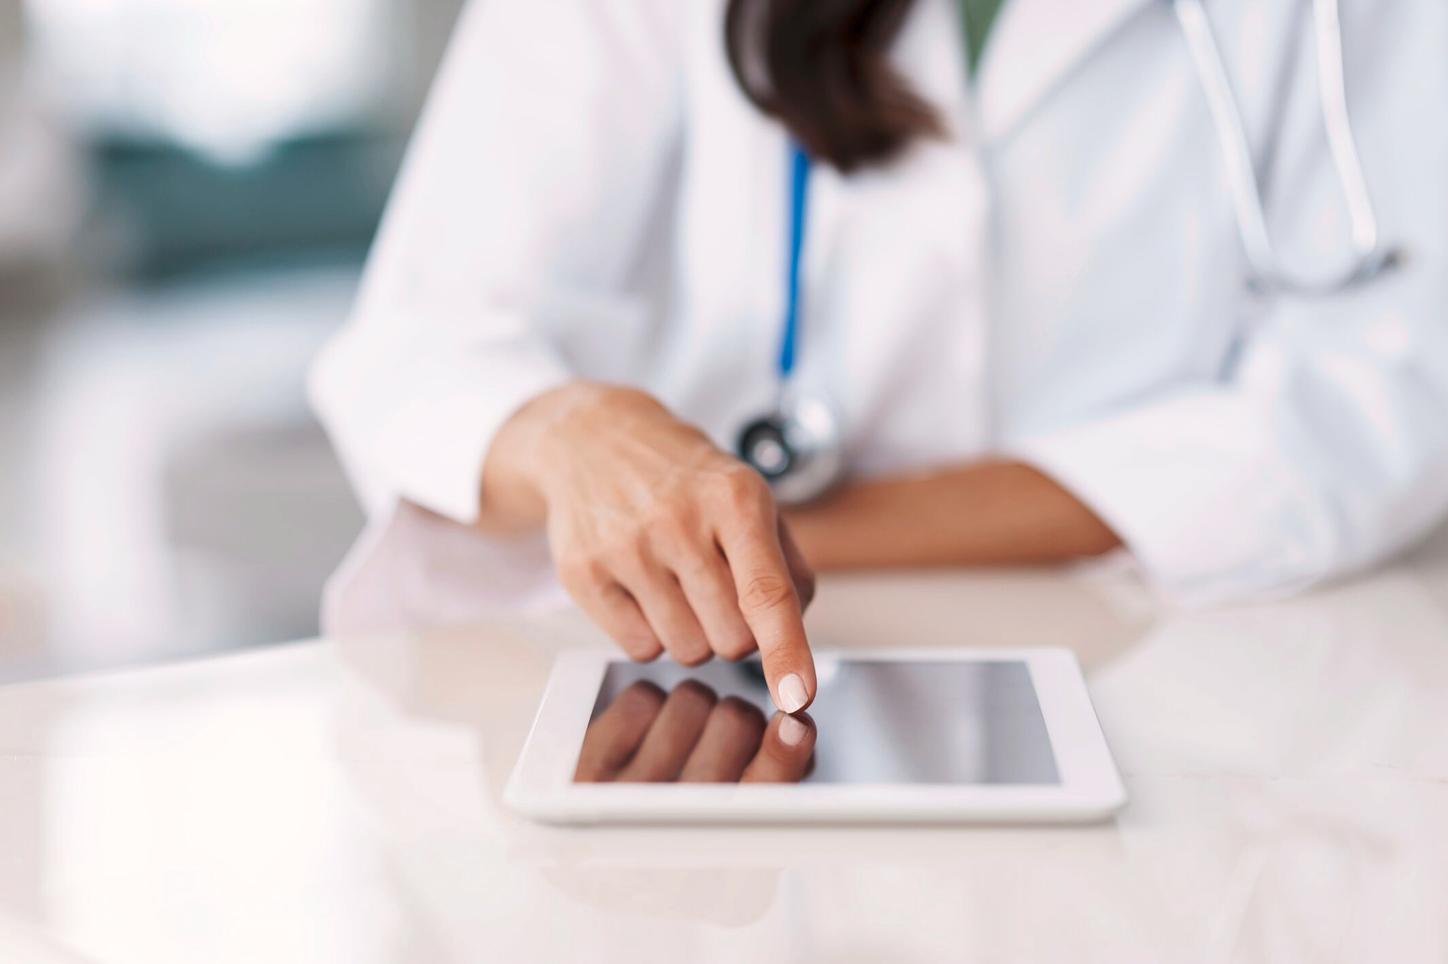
990 513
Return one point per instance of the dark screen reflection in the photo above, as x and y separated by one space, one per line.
922 722
690 735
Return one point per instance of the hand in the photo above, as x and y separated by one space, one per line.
691 736
666 542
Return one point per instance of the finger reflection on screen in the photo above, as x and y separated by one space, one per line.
690 735
948 721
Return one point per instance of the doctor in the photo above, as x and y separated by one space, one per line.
970 282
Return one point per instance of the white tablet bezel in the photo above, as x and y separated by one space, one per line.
542 784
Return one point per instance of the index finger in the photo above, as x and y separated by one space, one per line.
785 752
770 605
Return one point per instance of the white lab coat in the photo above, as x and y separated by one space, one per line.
1060 280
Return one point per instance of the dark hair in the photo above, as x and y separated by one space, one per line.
822 68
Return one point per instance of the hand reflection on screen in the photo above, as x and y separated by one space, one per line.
692 736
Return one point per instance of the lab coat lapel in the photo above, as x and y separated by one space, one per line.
1034 46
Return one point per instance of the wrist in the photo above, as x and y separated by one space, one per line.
516 470
559 424
537 446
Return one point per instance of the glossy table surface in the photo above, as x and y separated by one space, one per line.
339 801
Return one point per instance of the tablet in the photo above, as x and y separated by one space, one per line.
933 736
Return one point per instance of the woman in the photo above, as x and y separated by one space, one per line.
1021 287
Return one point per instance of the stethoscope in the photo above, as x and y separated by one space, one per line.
798 446
1369 258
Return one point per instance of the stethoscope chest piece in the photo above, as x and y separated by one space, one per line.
797 448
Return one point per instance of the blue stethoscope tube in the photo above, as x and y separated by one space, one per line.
796 447
799 177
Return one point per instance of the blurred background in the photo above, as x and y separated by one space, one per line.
187 191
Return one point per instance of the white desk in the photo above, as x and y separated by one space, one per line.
1288 766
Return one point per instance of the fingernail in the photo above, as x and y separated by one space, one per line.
791 730
792 696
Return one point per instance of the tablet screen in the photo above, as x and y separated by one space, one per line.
872 722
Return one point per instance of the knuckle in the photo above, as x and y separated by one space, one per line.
701 568
668 528
580 572
745 490
629 552
765 590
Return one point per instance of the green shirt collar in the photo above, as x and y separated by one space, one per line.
978 16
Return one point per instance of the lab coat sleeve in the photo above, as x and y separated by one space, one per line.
1323 447
530 181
